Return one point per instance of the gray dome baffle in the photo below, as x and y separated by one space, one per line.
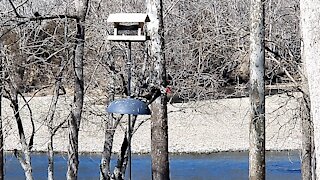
129 106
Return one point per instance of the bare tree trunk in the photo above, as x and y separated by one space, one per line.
307 150
307 136
58 86
110 126
23 156
310 25
74 121
119 170
1 130
107 152
159 117
50 159
49 119
257 94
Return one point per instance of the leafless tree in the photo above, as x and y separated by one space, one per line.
111 124
59 90
309 31
207 45
307 132
39 53
12 82
308 162
1 127
81 7
257 91
159 117
23 155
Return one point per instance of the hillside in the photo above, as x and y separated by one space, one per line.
194 127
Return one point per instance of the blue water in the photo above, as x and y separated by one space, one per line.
224 166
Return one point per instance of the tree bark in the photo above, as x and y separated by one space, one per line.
1 130
307 149
120 169
159 118
49 119
106 154
110 126
50 159
74 121
307 136
257 92
310 25
105 173
23 156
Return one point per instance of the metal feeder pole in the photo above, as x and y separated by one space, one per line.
129 116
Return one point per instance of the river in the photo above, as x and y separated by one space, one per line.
216 166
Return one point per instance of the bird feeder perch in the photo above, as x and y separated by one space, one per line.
128 27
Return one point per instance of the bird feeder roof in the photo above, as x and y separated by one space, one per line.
128 18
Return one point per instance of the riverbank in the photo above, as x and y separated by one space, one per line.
194 127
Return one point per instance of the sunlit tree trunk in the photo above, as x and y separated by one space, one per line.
74 121
257 92
310 25
307 149
159 118
307 136
1 130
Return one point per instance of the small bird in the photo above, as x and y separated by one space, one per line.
36 14
155 93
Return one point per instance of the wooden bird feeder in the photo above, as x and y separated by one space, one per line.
128 27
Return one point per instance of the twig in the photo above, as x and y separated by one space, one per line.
15 9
